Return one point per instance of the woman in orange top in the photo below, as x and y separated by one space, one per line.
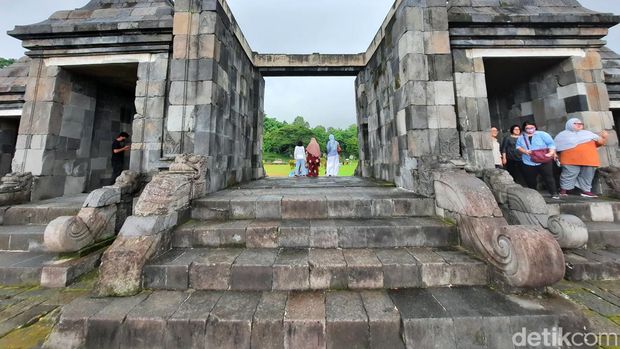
579 157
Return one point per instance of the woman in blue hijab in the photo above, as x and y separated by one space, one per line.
333 157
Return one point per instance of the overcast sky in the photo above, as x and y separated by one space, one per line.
283 26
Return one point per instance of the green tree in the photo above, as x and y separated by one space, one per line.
283 140
4 62
299 121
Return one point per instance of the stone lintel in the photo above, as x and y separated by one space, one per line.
310 64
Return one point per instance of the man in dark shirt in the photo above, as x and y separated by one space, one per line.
118 154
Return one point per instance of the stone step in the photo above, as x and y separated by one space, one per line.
603 234
319 233
585 264
22 268
468 317
43 212
589 210
21 237
305 269
312 204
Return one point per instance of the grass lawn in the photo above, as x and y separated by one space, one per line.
285 169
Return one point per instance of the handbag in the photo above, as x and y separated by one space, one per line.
539 155
339 149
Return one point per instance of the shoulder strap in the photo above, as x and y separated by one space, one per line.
527 144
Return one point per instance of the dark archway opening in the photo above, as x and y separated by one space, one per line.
99 104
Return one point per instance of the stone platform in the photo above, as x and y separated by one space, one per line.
471 317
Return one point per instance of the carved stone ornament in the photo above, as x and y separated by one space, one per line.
526 256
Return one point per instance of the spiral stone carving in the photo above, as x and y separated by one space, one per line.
527 207
568 230
526 256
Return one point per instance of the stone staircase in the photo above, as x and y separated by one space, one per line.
22 254
303 238
601 259
312 263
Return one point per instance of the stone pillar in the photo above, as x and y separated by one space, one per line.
215 96
406 99
473 110
588 100
41 131
148 123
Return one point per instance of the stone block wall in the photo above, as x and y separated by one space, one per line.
148 121
59 109
406 99
215 95
474 117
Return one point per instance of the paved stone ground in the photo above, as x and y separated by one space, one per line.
28 314
599 301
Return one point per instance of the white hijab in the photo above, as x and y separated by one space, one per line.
569 138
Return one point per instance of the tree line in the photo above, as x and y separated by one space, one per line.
280 137
5 62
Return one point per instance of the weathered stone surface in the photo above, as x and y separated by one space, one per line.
103 197
186 328
383 320
15 188
328 269
526 256
568 230
68 233
268 324
164 194
465 195
304 321
521 253
364 269
120 273
212 271
149 225
230 322
612 180
526 200
252 270
291 271
346 321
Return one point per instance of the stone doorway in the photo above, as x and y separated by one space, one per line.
69 131
100 106
9 126
327 104
529 89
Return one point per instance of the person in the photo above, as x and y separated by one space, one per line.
333 157
313 150
578 157
511 158
530 141
300 158
118 154
497 155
